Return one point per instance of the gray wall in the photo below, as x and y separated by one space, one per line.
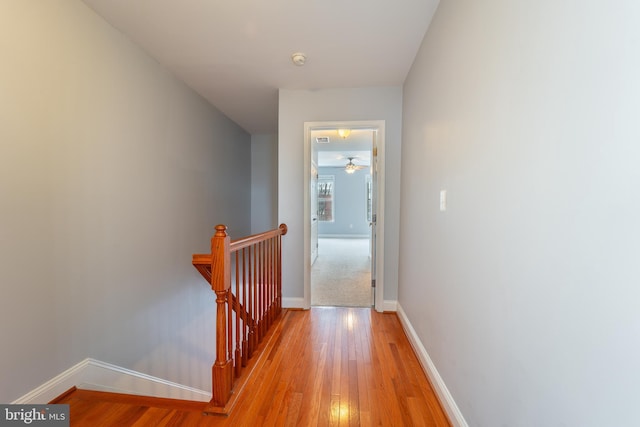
264 182
112 174
350 204
299 106
525 291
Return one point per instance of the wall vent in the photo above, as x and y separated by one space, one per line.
322 140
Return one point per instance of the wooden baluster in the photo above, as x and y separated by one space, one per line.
283 230
252 295
276 304
271 293
262 290
245 323
278 276
256 289
266 286
272 302
230 312
275 277
278 281
259 294
279 273
270 282
220 283
237 360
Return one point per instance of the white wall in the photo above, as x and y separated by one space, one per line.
299 106
112 174
525 291
264 182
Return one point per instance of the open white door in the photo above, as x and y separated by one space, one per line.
313 191
373 209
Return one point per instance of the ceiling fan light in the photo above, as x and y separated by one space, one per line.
350 167
344 132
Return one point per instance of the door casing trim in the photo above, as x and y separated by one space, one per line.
379 144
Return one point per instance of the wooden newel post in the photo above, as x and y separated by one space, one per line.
222 370
283 229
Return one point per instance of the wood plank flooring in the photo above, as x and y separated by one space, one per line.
332 366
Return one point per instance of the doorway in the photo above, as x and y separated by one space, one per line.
341 257
343 240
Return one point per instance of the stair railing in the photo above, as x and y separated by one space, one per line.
246 276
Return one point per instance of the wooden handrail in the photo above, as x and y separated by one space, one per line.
246 308
256 238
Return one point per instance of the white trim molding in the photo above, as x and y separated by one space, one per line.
379 135
53 388
293 303
389 305
344 236
91 374
446 400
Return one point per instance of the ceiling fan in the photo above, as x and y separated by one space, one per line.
352 167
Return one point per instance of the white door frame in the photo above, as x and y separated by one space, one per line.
377 126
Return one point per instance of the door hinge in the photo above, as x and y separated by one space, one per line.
373 283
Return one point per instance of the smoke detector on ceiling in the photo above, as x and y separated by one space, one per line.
299 58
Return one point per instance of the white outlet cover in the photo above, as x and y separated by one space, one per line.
443 200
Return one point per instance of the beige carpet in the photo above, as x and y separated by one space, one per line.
341 275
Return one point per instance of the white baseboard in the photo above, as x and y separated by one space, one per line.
91 374
449 405
344 236
389 305
55 386
293 303
114 378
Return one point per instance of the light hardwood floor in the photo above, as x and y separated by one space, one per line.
332 367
